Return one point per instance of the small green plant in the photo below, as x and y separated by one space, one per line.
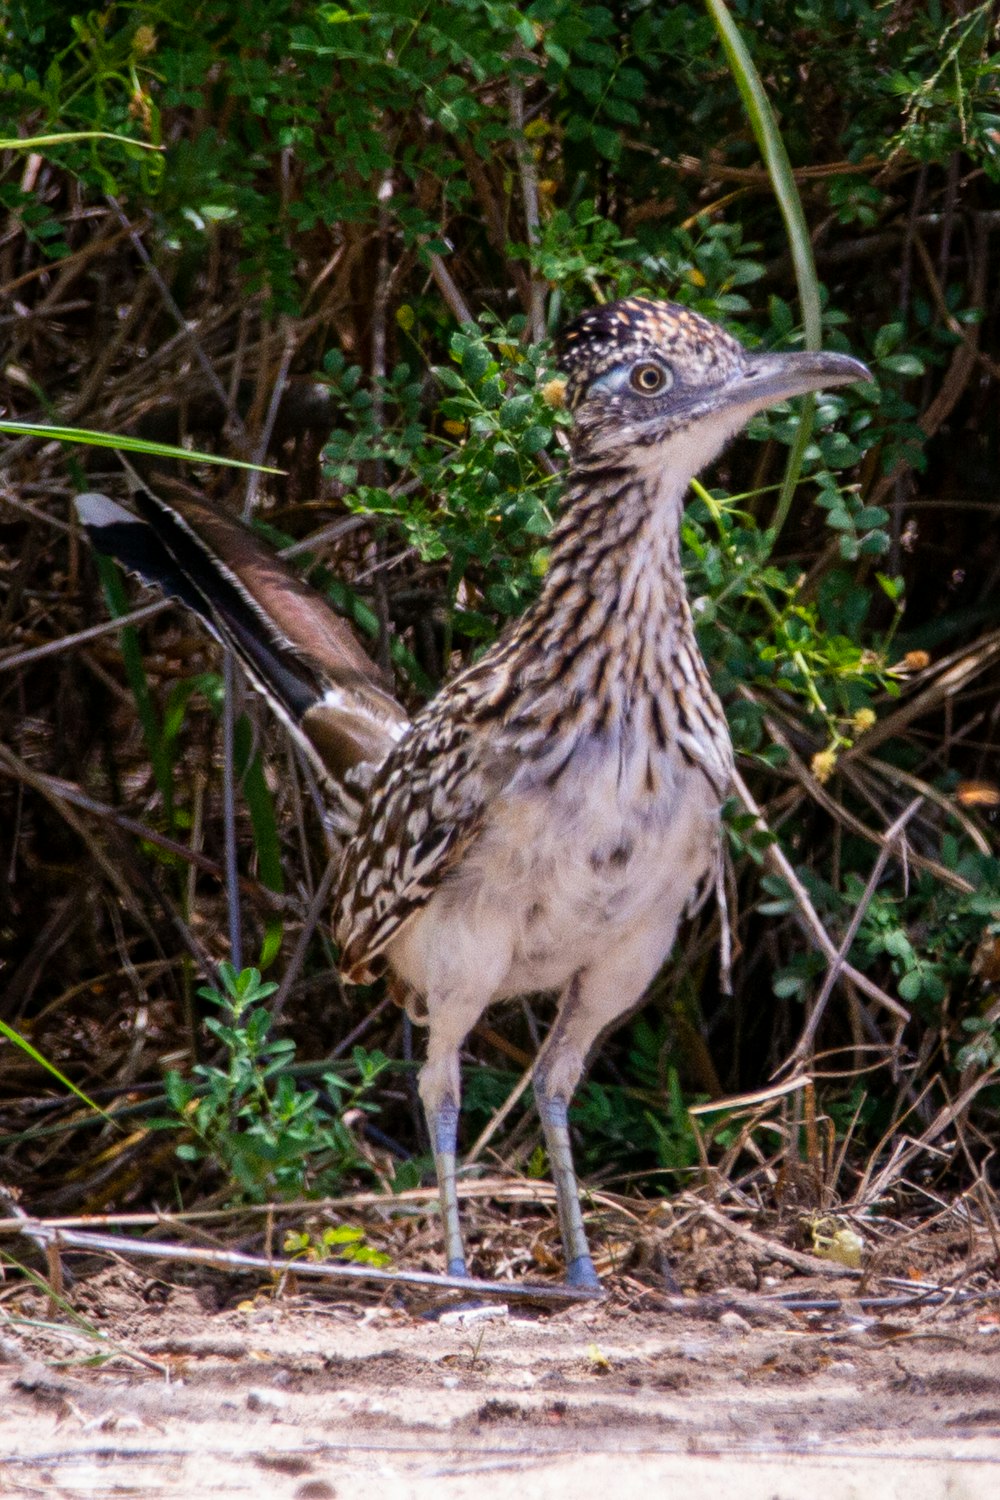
340 1242
248 1116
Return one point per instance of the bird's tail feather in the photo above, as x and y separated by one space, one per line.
301 655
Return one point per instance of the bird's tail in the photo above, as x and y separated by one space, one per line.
300 655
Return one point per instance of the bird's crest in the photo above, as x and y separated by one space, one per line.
601 338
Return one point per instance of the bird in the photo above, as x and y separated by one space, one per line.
546 821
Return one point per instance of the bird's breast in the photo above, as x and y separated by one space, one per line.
564 868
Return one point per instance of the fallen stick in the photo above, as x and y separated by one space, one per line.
236 1260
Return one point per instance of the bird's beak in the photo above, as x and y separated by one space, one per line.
766 378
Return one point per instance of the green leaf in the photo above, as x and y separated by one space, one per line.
911 986
903 364
887 339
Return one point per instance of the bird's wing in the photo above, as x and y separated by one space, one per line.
425 807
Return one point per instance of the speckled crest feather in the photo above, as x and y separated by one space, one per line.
602 337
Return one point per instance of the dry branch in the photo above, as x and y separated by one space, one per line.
234 1260
775 857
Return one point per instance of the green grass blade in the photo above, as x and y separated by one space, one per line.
125 444
67 137
43 1062
779 168
260 803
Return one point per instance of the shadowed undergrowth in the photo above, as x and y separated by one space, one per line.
347 262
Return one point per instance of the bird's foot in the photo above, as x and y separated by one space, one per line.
580 1273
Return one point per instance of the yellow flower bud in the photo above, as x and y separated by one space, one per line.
823 765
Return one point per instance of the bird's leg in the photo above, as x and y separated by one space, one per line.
595 999
442 1122
557 1073
449 1022
579 1265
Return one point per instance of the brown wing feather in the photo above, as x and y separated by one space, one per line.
423 810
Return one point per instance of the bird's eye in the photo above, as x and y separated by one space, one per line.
649 379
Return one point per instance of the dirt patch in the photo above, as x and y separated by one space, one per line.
302 1398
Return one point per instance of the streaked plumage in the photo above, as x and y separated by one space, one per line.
544 823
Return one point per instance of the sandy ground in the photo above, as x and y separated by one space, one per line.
307 1399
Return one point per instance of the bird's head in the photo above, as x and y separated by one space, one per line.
655 378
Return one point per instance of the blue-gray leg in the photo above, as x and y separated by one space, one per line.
552 1113
442 1123
450 1017
595 999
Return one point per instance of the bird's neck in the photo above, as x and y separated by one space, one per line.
608 648
614 582
607 653
618 536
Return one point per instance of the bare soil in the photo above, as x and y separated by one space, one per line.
206 1389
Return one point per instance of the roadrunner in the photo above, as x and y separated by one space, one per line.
546 821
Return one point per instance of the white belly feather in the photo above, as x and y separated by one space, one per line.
562 875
